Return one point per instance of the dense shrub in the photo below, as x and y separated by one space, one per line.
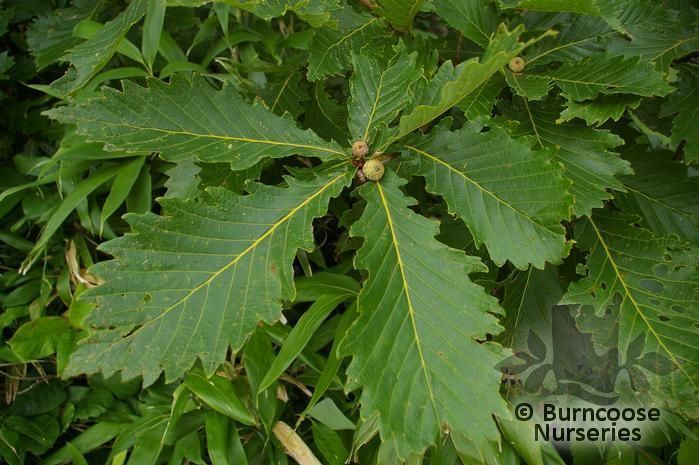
316 231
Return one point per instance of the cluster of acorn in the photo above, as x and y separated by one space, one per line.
371 169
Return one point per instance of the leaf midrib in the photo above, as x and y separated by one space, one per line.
540 139
281 91
414 8
325 113
374 106
216 136
440 105
345 37
237 258
659 202
674 46
411 310
520 306
481 188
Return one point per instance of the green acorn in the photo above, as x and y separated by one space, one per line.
373 170
360 149
517 64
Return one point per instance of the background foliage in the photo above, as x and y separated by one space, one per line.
193 266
